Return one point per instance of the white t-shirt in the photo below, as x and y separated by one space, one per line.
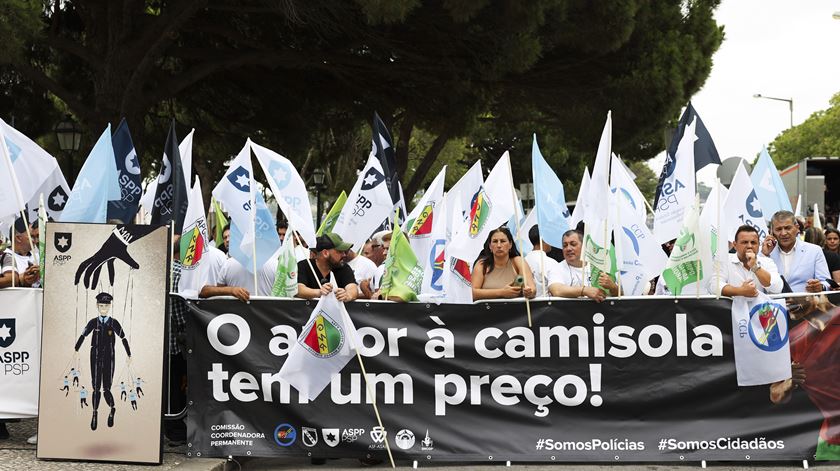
363 268
234 274
571 276
539 261
191 281
21 262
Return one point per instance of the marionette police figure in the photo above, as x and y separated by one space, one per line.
105 329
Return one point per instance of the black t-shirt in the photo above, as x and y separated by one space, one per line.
343 276
833 261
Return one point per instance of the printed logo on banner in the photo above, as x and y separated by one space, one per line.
285 435
63 241
281 174
753 207
427 444
436 258
323 336
332 436
462 270
404 439
309 436
350 435
7 332
769 326
377 434
479 212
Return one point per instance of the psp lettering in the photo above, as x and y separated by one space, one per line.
15 363
668 195
128 188
362 204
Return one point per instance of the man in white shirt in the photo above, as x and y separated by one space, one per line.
21 265
363 267
544 268
573 283
748 272
235 280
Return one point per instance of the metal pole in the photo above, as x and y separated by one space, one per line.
318 207
791 112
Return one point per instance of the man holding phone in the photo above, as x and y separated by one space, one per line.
802 264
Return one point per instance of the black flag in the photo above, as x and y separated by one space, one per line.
705 152
170 202
128 169
383 145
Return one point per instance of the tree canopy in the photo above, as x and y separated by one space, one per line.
470 78
817 136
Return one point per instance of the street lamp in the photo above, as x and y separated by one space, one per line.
318 185
788 100
69 139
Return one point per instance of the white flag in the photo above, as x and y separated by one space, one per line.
235 191
457 274
595 203
289 190
32 164
185 148
579 213
742 206
368 204
490 208
466 188
639 256
420 224
677 189
325 345
714 246
194 246
761 338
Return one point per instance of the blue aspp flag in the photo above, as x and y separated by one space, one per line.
265 236
768 186
128 172
96 184
549 200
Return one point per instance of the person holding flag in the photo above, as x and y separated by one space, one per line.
500 272
573 283
314 273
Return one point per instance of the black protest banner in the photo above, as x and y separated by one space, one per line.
629 380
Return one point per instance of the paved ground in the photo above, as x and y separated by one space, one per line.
17 455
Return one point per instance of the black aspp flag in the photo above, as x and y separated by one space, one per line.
705 152
383 146
170 203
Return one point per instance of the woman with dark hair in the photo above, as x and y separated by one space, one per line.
499 271
832 240
816 237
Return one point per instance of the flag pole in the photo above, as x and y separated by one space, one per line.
396 215
370 392
542 264
697 262
519 240
616 237
717 248
254 226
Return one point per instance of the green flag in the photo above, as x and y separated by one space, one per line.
403 275
685 266
600 259
286 279
221 223
329 222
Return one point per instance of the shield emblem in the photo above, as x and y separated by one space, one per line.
331 436
62 241
310 436
7 332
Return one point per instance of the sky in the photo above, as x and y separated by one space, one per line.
784 49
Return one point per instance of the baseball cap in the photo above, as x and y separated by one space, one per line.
331 240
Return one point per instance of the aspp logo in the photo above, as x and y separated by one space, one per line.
768 326
285 435
7 332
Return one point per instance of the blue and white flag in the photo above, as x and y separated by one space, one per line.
742 206
237 192
549 199
96 184
128 171
289 190
769 187
762 340
677 189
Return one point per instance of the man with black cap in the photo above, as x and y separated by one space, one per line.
314 273
20 267
105 329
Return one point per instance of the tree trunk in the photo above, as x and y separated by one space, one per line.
426 164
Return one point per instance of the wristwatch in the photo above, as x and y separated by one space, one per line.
755 267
